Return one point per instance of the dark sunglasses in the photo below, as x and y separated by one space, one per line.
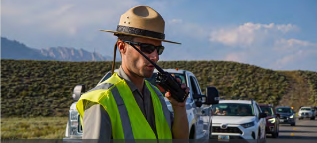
147 48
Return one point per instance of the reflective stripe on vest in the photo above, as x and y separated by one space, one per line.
127 120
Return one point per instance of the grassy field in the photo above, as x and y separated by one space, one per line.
36 95
33 128
44 88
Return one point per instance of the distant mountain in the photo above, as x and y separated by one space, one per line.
12 49
72 54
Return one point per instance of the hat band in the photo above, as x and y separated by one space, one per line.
142 32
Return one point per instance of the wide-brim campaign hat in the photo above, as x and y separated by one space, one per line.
142 21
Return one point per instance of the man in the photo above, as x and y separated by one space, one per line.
224 112
267 112
126 106
217 112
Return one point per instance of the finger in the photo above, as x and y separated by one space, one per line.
183 86
187 90
167 94
178 80
171 99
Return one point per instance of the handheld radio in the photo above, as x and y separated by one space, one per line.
167 81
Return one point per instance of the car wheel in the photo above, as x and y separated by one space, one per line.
275 134
261 140
278 130
192 133
210 132
293 124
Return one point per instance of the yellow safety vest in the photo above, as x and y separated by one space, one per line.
123 128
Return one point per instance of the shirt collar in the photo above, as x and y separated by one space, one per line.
124 76
131 85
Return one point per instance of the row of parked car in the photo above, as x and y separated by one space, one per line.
246 119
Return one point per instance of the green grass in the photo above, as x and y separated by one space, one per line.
36 95
44 88
33 128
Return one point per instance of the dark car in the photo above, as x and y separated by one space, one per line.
272 119
287 115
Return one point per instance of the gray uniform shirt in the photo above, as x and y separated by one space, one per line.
97 123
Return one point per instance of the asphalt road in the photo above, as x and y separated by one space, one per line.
304 129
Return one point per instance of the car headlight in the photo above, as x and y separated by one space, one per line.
291 116
272 120
74 123
74 115
247 125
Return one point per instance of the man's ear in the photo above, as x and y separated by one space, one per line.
121 46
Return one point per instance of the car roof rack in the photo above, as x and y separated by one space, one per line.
238 98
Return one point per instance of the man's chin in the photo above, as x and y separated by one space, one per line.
148 74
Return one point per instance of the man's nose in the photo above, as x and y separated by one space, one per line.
154 56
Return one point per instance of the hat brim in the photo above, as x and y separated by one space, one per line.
116 32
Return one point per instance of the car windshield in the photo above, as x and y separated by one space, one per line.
232 109
284 110
267 110
305 109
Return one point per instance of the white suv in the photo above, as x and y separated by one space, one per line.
306 112
238 119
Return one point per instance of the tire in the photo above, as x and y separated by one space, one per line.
293 124
192 133
210 131
275 134
259 140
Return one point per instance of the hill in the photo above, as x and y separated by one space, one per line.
43 88
12 49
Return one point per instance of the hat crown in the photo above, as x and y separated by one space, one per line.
143 17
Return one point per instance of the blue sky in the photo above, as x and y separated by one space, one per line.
278 35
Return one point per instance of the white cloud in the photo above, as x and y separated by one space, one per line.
64 17
176 21
292 44
301 59
289 58
249 34
295 51
237 57
188 29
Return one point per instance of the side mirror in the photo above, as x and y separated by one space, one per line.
278 115
263 115
78 90
198 99
212 95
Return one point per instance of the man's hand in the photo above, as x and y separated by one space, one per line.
180 126
174 102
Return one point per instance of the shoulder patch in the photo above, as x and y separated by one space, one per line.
102 86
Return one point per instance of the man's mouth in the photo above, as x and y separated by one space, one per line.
150 66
